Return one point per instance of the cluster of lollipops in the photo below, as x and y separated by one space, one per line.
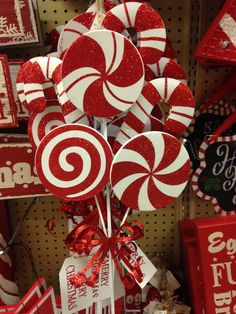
91 122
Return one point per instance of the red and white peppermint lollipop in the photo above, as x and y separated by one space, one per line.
102 73
40 124
150 28
73 162
76 27
174 93
153 124
165 67
150 171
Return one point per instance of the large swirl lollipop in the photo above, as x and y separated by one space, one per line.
150 171
106 69
73 162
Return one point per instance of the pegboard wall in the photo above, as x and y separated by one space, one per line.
185 21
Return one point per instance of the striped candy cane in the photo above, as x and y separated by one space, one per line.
177 95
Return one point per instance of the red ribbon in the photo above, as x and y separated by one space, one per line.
86 236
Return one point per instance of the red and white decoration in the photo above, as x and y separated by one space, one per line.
110 82
73 162
17 23
76 27
8 117
209 254
14 67
177 95
9 293
41 123
218 45
150 28
17 172
150 171
165 67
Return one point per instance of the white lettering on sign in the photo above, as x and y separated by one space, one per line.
17 174
226 166
217 244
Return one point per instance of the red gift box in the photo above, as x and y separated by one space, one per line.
210 258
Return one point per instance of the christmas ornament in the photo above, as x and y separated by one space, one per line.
76 27
165 67
171 91
150 171
107 70
150 28
8 118
41 123
73 162
44 68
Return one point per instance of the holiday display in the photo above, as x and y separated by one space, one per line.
17 23
7 105
105 88
101 142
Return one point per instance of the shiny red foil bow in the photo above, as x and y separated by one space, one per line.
87 236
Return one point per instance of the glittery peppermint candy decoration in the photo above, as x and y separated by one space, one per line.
73 162
40 124
150 28
150 171
102 73
165 67
76 27
174 93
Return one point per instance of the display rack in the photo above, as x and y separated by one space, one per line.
186 22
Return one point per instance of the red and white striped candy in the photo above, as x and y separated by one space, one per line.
42 123
150 28
45 68
73 162
102 73
177 95
153 124
165 67
52 38
76 27
150 171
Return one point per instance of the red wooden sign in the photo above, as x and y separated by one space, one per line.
13 138
218 44
215 246
17 23
14 67
17 173
7 105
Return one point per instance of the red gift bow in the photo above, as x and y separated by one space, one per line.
86 236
